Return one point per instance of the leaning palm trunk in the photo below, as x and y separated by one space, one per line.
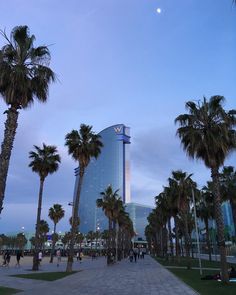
6 148
37 238
170 240
220 224
53 244
208 238
74 226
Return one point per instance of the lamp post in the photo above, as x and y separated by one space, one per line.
197 235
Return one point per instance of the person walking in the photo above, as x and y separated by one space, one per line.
18 257
6 258
131 255
135 254
58 254
40 257
141 254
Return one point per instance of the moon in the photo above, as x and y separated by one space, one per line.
159 10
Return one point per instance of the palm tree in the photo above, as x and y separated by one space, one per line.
44 161
118 212
66 239
43 230
173 195
156 228
125 234
167 201
108 205
184 184
205 211
56 213
82 146
24 78
207 133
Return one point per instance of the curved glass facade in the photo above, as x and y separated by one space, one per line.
111 168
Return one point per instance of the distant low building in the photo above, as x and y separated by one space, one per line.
138 214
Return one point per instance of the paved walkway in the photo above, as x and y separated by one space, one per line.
146 277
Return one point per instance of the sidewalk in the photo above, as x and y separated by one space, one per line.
146 277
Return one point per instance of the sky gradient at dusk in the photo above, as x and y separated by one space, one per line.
118 61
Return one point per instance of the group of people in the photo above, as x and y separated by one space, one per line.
7 258
231 273
79 256
135 253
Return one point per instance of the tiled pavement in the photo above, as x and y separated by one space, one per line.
146 277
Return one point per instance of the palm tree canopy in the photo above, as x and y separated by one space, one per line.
24 71
43 227
83 145
183 184
228 184
56 213
205 206
110 202
207 132
45 160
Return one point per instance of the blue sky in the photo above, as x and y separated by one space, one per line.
118 61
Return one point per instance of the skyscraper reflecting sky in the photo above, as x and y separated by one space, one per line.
111 168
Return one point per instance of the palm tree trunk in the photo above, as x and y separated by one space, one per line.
187 240
208 238
177 239
37 242
220 224
191 247
117 229
6 148
74 226
53 243
161 241
109 241
171 240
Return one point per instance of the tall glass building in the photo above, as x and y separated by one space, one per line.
112 167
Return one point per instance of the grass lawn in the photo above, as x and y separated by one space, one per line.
194 262
192 278
45 276
8 291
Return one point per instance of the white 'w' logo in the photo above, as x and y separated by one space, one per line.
118 129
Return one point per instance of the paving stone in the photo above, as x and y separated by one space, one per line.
96 278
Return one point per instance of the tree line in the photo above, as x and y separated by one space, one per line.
207 132
25 77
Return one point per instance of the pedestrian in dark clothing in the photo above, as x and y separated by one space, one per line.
18 257
6 258
135 254
131 255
